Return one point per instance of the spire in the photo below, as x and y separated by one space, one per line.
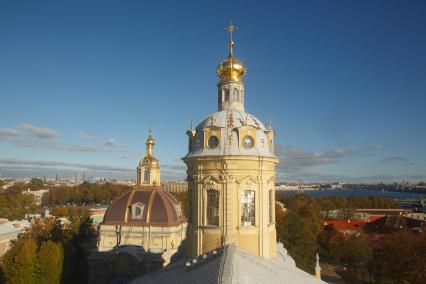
150 142
148 171
231 69
231 28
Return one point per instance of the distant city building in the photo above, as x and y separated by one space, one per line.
38 195
336 185
129 182
79 177
175 186
9 231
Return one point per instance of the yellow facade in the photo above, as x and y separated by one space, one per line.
231 175
148 170
231 172
164 240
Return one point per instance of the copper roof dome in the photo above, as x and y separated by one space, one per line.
145 206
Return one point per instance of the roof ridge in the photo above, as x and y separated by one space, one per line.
226 264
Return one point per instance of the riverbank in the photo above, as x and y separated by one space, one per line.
349 192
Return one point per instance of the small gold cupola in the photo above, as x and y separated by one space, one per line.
148 170
231 72
150 142
231 69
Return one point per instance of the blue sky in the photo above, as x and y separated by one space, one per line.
343 82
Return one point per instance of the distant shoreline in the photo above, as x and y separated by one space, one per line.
348 192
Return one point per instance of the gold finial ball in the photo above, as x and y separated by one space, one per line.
150 140
231 69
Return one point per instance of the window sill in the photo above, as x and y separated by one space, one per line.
248 230
209 227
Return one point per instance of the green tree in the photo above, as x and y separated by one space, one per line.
299 229
35 184
20 262
14 204
356 256
400 258
50 260
40 230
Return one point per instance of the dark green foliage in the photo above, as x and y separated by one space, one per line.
40 231
85 193
20 262
299 228
328 203
400 258
50 252
356 255
50 259
35 184
14 204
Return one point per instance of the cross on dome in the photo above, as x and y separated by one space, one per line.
231 69
231 29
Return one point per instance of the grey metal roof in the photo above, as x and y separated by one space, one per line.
240 118
233 265
205 271
229 135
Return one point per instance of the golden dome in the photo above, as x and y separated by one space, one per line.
231 69
150 140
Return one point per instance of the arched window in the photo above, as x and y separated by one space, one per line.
146 175
235 93
213 207
138 179
271 207
247 208
227 95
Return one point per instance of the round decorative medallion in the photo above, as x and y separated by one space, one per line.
213 142
248 142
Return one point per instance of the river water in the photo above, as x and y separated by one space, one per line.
355 192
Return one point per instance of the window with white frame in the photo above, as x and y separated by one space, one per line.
247 208
213 207
137 210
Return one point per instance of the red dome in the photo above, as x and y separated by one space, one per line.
145 206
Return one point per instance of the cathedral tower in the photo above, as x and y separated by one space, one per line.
148 170
231 172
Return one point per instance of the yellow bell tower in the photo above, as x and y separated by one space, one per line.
231 172
148 170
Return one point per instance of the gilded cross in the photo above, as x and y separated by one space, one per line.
231 28
150 124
